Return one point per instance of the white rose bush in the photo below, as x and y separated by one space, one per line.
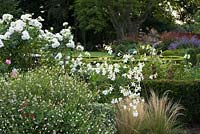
22 40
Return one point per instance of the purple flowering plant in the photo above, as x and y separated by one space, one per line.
185 42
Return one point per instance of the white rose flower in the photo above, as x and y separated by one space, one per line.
1 43
26 17
70 44
35 23
55 43
59 37
17 26
79 48
40 18
7 17
2 37
25 35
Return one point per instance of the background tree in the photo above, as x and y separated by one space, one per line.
9 6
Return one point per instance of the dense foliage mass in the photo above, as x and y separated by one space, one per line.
44 101
95 21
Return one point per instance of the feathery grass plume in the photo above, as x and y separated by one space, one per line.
161 115
126 122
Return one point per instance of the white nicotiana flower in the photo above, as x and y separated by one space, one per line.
119 54
58 56
79 48
154 76
1 43
114 101
109 49
7 17
187 56
126 57
105 92
109 91
87 54
25 35
104 71
61 62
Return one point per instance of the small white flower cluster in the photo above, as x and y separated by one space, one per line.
154 76
109 91
108 48
112 72
187 56
77 63
126 57
149 50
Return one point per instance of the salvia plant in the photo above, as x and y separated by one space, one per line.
185 42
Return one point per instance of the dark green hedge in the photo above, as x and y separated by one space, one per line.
187 92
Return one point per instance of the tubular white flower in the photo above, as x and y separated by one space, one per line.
58 56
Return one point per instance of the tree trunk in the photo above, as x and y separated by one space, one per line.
132 28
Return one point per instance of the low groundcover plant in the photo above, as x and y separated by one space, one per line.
44 101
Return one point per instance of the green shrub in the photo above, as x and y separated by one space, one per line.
164 45
185 91
175 52
198 59
124 46
45 101
193 55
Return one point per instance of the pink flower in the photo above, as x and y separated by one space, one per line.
8 61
